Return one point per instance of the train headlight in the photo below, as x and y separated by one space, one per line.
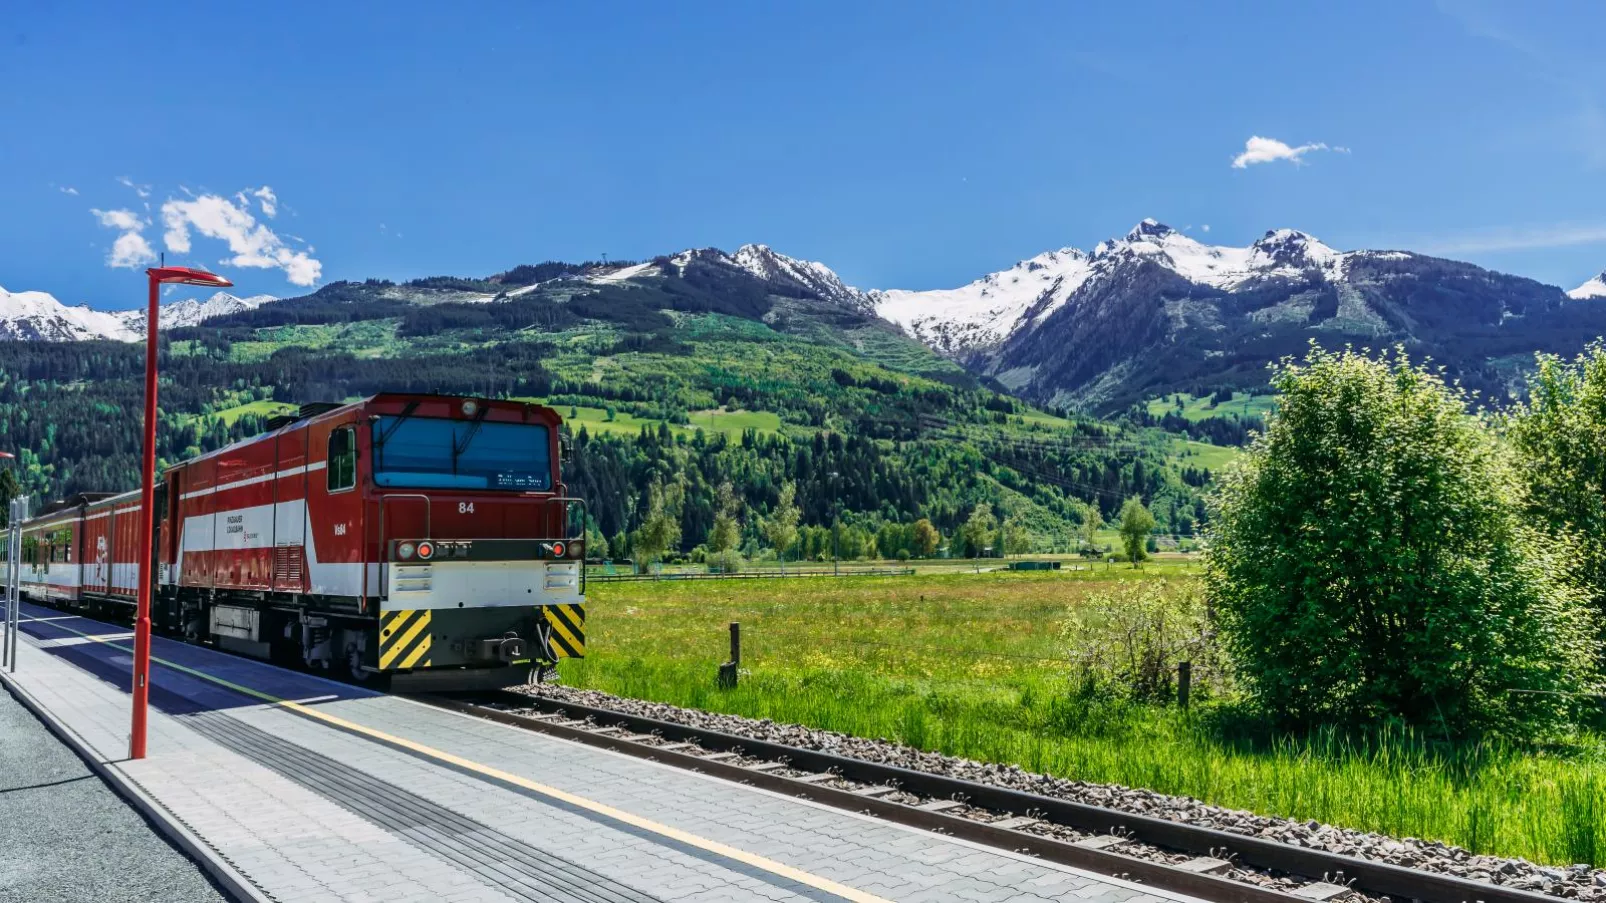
576 550
558 549
469 408
404 551
426 551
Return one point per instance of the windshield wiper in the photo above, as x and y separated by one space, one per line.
407 412
473 430
380 438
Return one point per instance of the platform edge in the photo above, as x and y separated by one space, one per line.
227 877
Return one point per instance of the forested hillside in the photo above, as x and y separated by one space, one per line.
685 375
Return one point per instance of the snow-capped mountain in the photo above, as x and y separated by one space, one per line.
1594 288
779 274
1157 310
988 311
809 275
192 312
38 316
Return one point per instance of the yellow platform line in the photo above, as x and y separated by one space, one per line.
645 824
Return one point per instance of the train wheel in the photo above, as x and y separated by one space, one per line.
354 666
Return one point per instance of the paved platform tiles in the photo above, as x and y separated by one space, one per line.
305 789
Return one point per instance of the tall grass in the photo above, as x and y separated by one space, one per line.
966 665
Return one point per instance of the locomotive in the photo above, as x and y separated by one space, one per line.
422 541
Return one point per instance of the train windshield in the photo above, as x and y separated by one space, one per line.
434 453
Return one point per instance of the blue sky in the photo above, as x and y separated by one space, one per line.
905 145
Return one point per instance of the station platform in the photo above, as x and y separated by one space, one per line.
288 787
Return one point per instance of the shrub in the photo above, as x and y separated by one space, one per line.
1560 437
1368 560
1128 640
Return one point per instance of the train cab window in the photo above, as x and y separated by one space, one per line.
342 465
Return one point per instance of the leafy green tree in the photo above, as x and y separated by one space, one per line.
726 529
1092 521
1560 438
926 539
781 526
596 543
979 530
1369 561
660 528
1017 541
1136 522
8 491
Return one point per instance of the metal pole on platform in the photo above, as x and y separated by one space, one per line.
5 593
19 513
147 500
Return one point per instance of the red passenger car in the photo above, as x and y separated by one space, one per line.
421 537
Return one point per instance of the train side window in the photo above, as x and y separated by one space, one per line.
342 464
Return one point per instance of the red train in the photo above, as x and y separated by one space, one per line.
420 538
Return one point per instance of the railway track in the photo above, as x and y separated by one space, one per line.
1216 865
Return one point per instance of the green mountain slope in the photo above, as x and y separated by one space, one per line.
683 372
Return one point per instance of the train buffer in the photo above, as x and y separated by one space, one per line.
287 787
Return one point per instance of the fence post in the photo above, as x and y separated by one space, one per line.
1184 683
728 671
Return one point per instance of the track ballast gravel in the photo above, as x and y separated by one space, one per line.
1578 882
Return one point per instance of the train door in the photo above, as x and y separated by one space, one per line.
334 511
290 513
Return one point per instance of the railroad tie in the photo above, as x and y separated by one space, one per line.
815 778
1016 823
1205 865
1321 891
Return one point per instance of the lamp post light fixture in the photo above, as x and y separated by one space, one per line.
158 276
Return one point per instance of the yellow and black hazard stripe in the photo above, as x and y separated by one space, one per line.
404 639
568 630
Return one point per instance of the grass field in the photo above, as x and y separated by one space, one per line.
1202 454
1198 408
971 665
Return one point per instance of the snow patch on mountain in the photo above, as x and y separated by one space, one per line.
623 274
1594 288
986 311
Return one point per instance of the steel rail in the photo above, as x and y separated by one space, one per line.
1365 875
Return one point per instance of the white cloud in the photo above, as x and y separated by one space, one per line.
68 189
126 220
1514 239
130 249
1205 227
252 244
1270 150
268 201
143 191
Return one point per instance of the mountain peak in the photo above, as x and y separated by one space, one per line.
1149 228
1291 248
1594 288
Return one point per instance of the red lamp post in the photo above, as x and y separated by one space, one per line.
147 498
